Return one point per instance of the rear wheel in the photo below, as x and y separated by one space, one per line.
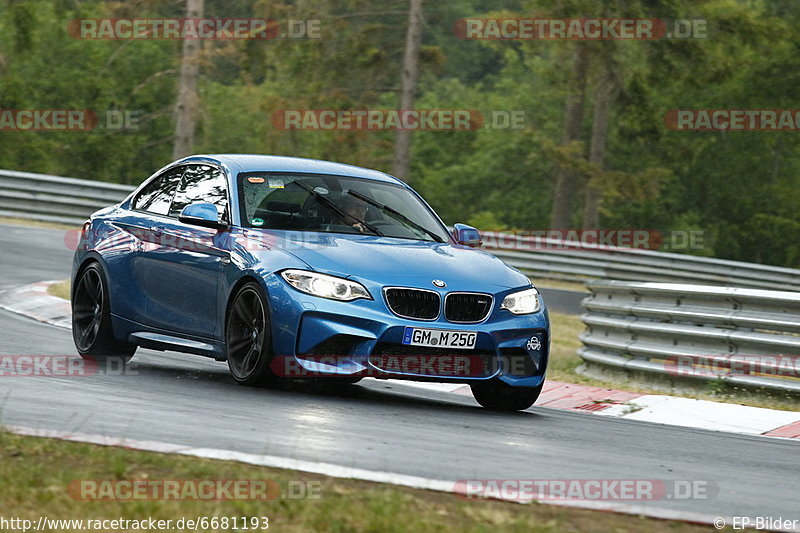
248 341
498 396
91 319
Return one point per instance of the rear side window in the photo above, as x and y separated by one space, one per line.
157 195
202 183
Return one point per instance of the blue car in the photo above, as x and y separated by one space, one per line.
292 268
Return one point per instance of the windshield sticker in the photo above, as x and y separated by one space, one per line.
256 180
275 183
257 222
321 190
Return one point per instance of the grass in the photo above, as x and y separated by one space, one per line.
564 359
35 473
59 289
17 221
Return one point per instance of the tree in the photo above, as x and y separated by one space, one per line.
410 76
187 103
568 180
605 92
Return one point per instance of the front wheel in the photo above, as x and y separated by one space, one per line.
498 396
91 319
248 341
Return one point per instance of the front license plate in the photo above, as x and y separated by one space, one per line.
440 338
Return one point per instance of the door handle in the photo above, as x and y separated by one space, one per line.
158 229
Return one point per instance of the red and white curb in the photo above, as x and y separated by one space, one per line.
657 408
35 302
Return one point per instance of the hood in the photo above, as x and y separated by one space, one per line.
388 260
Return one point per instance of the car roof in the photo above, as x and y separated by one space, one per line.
274 163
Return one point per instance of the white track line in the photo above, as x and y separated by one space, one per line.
338 471
328 469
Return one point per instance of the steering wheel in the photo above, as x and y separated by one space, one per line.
379 223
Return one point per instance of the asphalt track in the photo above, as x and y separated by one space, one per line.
190 400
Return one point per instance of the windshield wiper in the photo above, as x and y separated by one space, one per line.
336 210
394 213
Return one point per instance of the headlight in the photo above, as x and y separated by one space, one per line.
325 286
522 302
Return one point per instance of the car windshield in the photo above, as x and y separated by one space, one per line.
335 204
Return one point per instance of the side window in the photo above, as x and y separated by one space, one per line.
201 183
157 195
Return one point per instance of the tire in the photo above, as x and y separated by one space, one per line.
248 338
498 396
92 330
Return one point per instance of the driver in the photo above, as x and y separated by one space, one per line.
356 209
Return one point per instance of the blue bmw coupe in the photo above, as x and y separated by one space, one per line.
292 268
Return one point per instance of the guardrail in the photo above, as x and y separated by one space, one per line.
741 336
70 201
544 257
55 198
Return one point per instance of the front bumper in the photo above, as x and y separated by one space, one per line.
317 337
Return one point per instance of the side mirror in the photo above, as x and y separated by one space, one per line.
201 214
467 235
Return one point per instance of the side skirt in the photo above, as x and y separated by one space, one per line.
154 339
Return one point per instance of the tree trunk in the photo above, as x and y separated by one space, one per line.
410 76
604 94
186 105
567 180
